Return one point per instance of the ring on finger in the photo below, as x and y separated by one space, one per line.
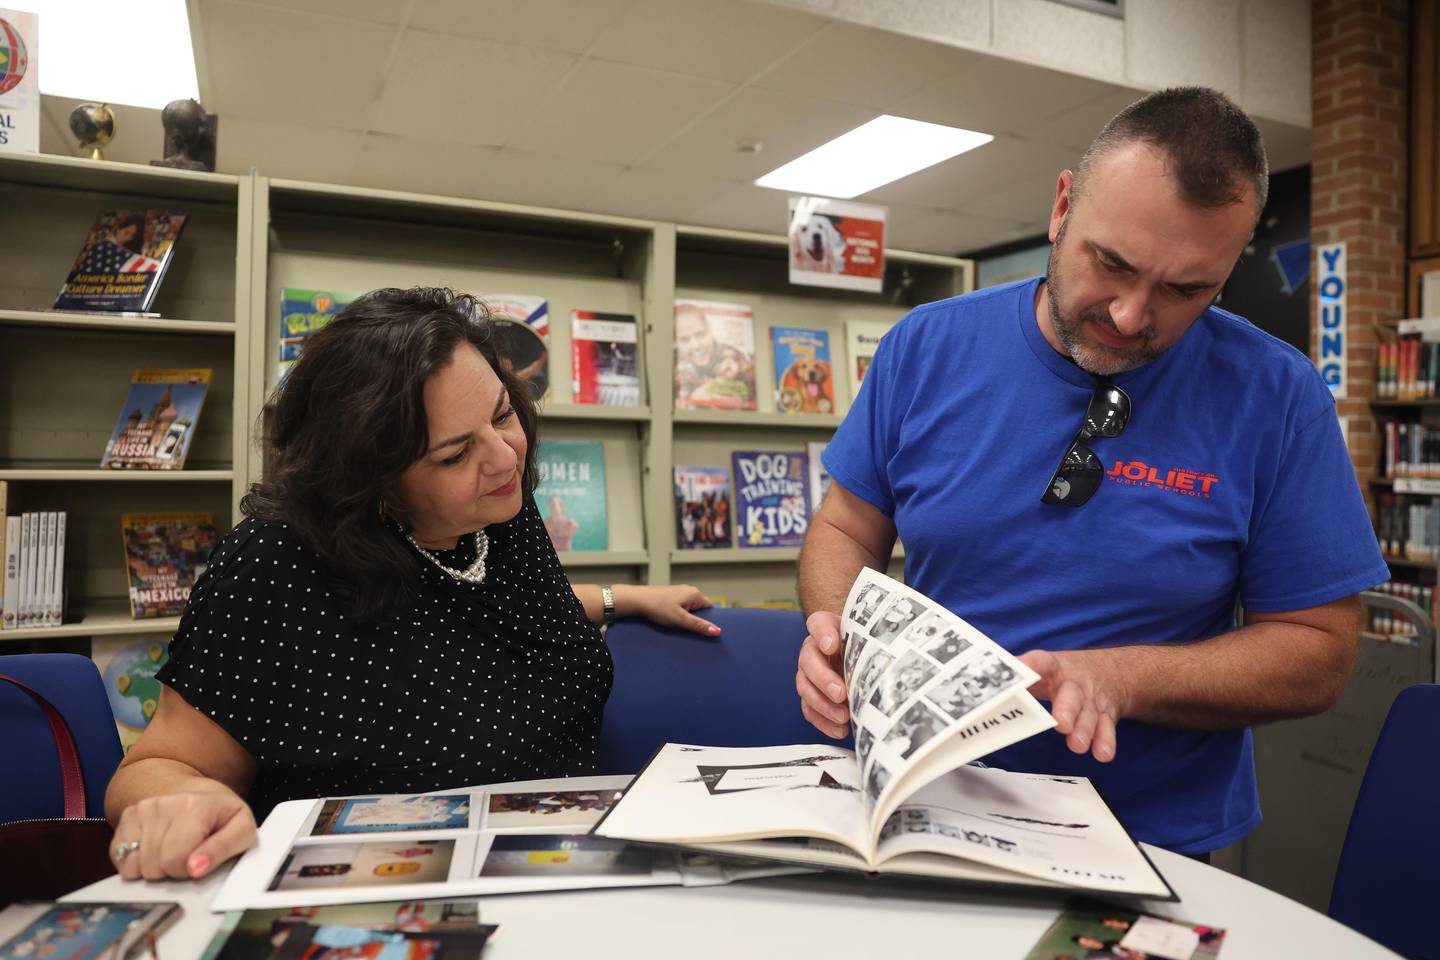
123 850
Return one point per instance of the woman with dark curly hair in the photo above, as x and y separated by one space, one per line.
391 616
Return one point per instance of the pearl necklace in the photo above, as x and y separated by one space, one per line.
475 573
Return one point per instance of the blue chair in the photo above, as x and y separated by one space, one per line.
735 690
27 752
1385 886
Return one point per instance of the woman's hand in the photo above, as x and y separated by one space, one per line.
181 835
666 606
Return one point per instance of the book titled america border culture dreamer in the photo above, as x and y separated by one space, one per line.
122 262
157 421
929 694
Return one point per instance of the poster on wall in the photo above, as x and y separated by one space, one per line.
1332 355
835 243
19 82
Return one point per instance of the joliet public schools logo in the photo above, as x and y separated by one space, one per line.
1187 483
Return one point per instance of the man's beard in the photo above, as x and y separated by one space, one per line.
1096 358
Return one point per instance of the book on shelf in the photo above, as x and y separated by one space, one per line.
1393 624
714 356
121 262
127 669
302 314
103 931
429 929
522 328
571 494
804 378
929 694
157 420
603 358
5 586
165 553
10 601
1408 368
527 836
772 497
702 508
819 476
863 339
1411 449
34 580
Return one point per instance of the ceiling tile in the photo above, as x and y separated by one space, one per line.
994 95
1081 41
550 24
746 207
302 68
656 195
722 39
1077 126
542 180
375 11
616 113
952 234
465 90
785 125
1027 200
324 154
861 65
957 22
964 179
1209 34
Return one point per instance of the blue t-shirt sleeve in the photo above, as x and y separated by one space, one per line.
858 456
1311 541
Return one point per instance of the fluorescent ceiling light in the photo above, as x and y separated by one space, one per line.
873 154
115 52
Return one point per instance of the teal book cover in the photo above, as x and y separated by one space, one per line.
571 495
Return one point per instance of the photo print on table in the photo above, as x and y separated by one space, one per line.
391 814
864 740
972 685
908 675
854 643
933 636
877 778
557 808
870 670
914 728
373 863
801 773
893 620
867 601
564 855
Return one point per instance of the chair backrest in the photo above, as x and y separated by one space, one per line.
29 764
735 690
1385 885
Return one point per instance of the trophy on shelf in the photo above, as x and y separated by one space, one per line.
94 126
189 136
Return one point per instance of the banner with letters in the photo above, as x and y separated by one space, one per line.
1332 349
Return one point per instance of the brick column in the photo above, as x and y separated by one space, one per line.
1359 90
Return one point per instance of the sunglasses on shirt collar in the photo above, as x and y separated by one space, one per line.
1080 472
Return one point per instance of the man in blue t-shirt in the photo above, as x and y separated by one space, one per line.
1200 463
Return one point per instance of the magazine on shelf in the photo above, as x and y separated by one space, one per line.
603 358
714 356
403 930
863 337
571 494
122 261
10 608
804 379
95 931
29 567
522 325
521 837
772 499
302 314
929 694
702 508
157 421
165 553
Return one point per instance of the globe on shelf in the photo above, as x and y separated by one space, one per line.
94 126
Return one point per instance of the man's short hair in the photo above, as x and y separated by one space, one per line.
1214 148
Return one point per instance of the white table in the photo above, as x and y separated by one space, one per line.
820 916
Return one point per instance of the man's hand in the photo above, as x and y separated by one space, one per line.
1088 694
819 681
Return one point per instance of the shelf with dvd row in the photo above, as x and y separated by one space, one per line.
100 617
70 474
58 320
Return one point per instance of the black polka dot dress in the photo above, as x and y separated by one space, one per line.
484 683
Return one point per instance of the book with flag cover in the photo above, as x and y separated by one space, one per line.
122 262
157 420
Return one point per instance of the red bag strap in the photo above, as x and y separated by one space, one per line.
72 781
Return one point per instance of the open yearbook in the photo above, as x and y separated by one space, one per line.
929 694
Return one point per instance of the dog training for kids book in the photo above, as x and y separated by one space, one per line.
929 694
804 379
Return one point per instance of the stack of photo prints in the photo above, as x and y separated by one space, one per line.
929 694
514 838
